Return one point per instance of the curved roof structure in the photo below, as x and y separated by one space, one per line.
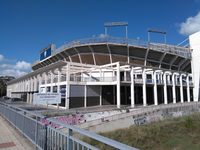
100 51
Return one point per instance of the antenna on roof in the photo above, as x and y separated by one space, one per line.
157 31
116 24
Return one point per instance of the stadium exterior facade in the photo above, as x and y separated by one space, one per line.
114 71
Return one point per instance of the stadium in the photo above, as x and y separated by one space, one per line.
113 71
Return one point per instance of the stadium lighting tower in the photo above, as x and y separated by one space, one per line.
116 24
157 31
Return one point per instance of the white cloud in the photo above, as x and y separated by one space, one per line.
103 35
1 57
191 25
15 69
22 65
12 72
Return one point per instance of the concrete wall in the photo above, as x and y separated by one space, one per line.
141 116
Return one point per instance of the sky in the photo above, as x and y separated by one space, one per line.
27 26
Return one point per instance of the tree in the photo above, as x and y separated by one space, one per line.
2 88
3 84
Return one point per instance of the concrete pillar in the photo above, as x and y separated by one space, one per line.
144 88
100 96
40 82
67 86
85 96
51 77
118 86
35 84
173 88
23 86
132 88
125 76
58 84
30 84
165 88
45 81
181 87
29 89
188 88
27 99
31 97
155 89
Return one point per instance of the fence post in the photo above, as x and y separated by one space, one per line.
36 131
45 137
23 128
69 141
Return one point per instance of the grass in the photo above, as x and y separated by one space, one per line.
181 133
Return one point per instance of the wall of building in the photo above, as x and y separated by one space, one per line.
194 40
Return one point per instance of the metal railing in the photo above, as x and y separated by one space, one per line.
182 51
93 79
149 81
138 81
155 46
47 137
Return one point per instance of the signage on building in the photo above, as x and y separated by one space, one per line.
46 98
46 52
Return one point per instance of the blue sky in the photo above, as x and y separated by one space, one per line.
27 26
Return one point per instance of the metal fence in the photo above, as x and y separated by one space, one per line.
49 137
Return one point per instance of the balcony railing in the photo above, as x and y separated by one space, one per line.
149 81
138 81
93 79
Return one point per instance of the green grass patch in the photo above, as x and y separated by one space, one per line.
181 133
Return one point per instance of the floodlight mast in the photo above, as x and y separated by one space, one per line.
157 31
116 24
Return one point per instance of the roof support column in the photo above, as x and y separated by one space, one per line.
67 86
109 53
144 88
181 87
128 54
155 89
132 88
35 84
45 81
85 96
31 89
188 88
100 95
165 88
173 88
40 83
58 82
118 86
51 76
94 60
146 55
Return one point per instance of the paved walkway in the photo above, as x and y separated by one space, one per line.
11 138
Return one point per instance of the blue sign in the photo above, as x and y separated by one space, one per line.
45 53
